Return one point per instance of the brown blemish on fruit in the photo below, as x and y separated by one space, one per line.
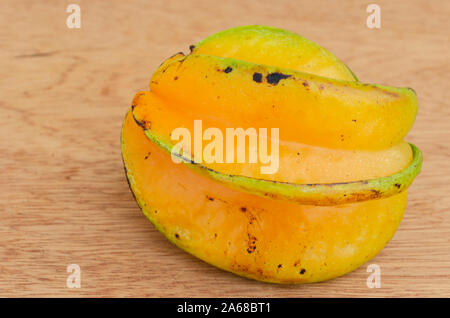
371 194
251 243
306 84
302 271
375 193
228 70
274 78
142 123
257 77
177 235
239 267
148 154
260 272
250 216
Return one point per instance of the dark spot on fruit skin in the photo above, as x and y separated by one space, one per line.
210 198
240 267
148 154
257 77
274 78
306 84
321 87
142 123
398 185
302 271
191 47
243 209
354 120
227 70
177 235
175 78
280 265
251 243
376 192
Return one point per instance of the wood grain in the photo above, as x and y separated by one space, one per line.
64 93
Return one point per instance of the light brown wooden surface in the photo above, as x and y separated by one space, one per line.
64 92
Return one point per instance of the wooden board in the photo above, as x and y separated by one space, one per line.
64 93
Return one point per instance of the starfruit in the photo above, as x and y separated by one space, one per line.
339 191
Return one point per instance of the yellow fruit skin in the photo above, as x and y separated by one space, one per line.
256 237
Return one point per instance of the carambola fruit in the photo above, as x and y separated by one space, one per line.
340 191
